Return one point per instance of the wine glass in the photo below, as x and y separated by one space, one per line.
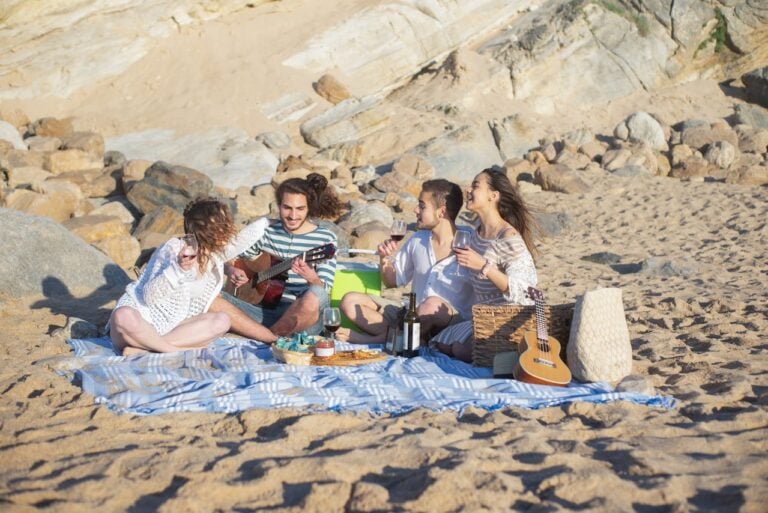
397 232
332 320
460 241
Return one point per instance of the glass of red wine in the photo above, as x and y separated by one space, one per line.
460 241
332 320
397 232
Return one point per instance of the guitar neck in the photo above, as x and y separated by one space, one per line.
277 269
541 321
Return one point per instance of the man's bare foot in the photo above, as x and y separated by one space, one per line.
130 351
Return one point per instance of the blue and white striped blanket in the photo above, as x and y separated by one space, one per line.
235 374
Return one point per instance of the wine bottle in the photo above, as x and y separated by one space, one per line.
411 329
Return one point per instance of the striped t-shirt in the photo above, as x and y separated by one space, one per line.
278 242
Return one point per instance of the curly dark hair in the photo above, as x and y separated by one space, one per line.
321 200
511 206
210 221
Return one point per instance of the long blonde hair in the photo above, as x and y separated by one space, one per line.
511 206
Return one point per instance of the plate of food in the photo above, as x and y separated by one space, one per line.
302 349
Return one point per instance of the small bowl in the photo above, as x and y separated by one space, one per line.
292 357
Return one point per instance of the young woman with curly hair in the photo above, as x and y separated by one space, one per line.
166 309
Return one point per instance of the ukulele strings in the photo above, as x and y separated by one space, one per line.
541 329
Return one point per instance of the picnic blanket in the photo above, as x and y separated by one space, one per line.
237 374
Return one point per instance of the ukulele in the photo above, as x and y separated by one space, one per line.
267 274
540 361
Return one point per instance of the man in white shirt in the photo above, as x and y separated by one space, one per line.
443 292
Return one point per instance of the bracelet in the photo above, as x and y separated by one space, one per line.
484 270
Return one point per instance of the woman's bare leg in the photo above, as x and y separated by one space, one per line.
241 323
129 330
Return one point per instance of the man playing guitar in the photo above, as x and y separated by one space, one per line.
307 287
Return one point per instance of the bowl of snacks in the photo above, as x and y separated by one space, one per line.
296 350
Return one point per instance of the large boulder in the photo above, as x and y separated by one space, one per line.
41 257
229 156
167 185
756 84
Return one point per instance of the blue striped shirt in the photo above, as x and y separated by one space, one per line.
278 242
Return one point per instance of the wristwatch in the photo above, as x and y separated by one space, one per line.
484 271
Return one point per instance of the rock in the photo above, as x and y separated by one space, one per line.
364 213
350 120
663 166
93 228
753 141
331 89
752 115
133 171
168 185
75 329
124 250
551 224
71 160
721 154
43 144
519 169
572 160
513 136
119 209
691 167
632 170
274 140
697 137
412 165
229 156
15 117
58 206
51 127
616 158
9 133
659 266
251 207
381 44
396 181
593 149
26 176
756 84
680 153
89 142
21 158
363 174
95 183
459 154
369 235
603 257
754 174
559 178
642 127
46 259
114 158
163 220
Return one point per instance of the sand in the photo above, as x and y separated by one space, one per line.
700 339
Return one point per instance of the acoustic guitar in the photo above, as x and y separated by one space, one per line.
540 361
267 274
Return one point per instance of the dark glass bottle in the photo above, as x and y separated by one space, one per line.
411 329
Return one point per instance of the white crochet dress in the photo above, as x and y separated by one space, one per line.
165 294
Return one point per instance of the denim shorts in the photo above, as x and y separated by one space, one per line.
269 316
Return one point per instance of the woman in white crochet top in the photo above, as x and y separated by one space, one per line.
166 309
500 254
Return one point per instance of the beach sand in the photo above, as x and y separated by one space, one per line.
699 338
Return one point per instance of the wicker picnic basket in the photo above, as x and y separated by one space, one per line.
500 328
